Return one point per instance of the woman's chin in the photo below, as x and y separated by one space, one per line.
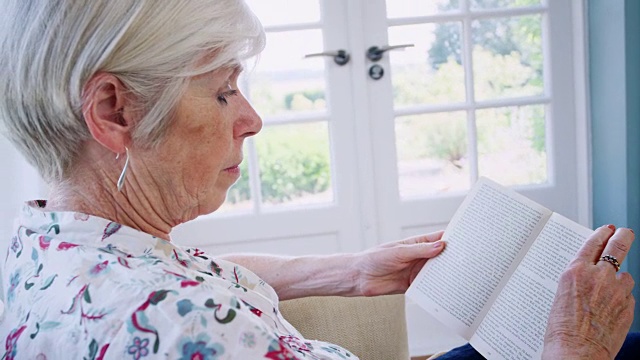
212 207
209 205
212 200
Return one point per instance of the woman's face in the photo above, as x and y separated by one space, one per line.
203 147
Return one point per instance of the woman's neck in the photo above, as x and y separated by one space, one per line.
93 191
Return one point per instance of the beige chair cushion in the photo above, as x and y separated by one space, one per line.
372 328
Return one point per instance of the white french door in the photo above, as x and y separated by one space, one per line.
358 150
486 90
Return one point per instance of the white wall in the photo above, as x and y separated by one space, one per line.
18 182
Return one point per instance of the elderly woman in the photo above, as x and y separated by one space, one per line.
130 110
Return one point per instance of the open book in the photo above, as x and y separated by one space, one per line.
496 279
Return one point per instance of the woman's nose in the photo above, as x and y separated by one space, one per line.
249 122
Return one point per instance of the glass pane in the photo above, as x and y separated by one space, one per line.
493 4
511 144
430 72
239 195
283 81
410 8
295 166
271 12
507 57
432 154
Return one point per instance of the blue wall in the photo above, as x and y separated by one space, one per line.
614 66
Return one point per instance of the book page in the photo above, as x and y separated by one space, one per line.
515 325
486 235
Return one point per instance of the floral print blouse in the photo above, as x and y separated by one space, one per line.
81 287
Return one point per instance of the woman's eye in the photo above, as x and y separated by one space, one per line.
222 98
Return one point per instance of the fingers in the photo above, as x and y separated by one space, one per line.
428 238
618 246
421 251
592 249
626 281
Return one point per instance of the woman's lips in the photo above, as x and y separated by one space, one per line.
235 170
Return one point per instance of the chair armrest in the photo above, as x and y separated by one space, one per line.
373 328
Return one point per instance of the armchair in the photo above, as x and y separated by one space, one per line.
373 328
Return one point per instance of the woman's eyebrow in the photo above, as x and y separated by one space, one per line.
236 69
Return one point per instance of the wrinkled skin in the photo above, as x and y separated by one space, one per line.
593 308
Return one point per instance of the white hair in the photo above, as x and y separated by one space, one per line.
49 49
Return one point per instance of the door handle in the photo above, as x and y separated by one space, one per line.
340 57
375 53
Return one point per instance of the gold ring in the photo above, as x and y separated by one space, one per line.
611 260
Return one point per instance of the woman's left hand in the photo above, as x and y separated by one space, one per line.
390 268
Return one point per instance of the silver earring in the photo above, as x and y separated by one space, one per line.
124 170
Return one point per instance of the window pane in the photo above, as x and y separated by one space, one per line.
492 4
430 72
507 57
295 165
239 195
408 8
283 80
511 144
299 11
432 154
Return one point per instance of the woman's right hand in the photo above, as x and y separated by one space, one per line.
593 308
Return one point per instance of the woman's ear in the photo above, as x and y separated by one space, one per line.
107 111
